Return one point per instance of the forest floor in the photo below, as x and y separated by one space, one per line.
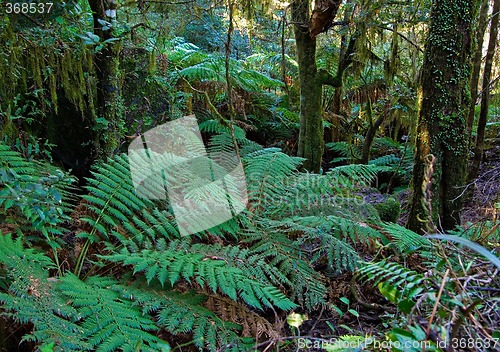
486 189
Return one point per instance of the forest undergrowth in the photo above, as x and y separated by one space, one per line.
330 244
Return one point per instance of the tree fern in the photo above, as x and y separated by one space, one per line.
354 175
113 200
198 66
348 151
266 172
274 245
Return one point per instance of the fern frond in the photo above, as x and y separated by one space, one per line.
273 245
182 313
408 281
347 150
406 240
266 171
254 81
390 160
354 174
252 324
110 321
113 200
33 297
179 261
208 70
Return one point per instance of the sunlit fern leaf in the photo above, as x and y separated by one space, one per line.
253 81
208 70
186 54
409 282
270 62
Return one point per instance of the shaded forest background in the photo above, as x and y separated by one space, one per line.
369 133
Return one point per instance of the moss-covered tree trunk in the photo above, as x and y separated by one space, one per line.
306 29
108 75
485 93
311 122
442 123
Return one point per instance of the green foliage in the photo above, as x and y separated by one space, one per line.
394 280
195 65
440 293
192 264
34 194
110 320
405 240
100 313
257 96
278 249
32 297
388 209
128 276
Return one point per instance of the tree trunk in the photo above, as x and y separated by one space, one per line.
108 80
478 58
442 124
369 138
307 27
485 93
347 48
311 123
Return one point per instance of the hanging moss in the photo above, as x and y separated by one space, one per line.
72 78
51 79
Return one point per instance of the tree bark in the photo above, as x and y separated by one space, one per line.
108 81
442 123
311 144
478 58
485 93
369 138
345 59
